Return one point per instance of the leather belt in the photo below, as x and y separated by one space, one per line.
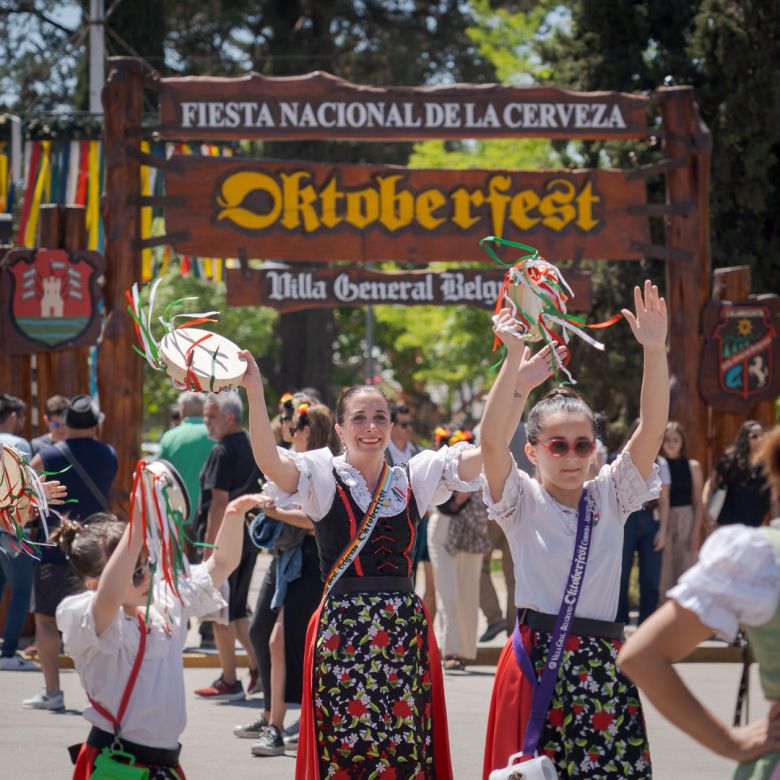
373 585
542 621
149 756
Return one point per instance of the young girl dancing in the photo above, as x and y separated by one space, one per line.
131 667
558 691
373 702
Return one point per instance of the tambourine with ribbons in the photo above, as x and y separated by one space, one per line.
537 293
194 359
21 490
159 507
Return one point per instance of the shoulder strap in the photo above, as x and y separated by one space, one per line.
62 447
358 541
117 720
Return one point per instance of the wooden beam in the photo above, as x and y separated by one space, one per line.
687 283
120 372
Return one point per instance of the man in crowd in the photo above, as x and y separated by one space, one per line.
187 446
401 448
230 471
55 408
13 414
88 468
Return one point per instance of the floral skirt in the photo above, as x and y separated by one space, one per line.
595 727
372 688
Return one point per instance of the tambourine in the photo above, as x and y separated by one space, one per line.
20 488
539 768
200 360
193 358
14 479
175 489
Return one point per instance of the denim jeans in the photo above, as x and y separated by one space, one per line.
638 537
17 571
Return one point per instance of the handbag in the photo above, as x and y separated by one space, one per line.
715 504
114 763
539 768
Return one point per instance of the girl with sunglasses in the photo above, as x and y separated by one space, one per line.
590 722
107 629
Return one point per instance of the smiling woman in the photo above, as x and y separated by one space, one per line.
372 674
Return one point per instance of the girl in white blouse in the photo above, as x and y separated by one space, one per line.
735 583
102 629
593 725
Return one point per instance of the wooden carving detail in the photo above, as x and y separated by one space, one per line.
50 299
318 212
741 353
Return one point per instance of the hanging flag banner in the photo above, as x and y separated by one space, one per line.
321 106
294 289
320 212
49 299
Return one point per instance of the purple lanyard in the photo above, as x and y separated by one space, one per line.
543 689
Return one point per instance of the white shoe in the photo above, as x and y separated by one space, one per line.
45 701
15 663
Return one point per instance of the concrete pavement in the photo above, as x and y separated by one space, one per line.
33 743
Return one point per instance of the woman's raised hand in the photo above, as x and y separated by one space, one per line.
649 323
252 377
506 331
533 371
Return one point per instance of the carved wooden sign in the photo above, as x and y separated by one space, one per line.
741 353
49 299
319 105
294 289
318 212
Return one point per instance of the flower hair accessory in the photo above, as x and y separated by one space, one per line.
459 436
301 413
440 435
537 294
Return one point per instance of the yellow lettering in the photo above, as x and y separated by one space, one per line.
585 201
427 203
397 208
522 204
330 197
298 202
498 201
362 208
556 208
463 200
236 187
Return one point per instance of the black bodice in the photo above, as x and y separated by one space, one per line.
388 552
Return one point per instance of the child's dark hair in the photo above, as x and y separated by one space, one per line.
560 400
89 545
341 408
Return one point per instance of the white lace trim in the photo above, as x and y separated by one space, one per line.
198 592
631 490
503 510
394 501
282 498
450 475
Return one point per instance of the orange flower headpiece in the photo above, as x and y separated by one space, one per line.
459 436
441 435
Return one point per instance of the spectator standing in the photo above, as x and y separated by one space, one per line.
88 469
748 497
55 408
187 446
13 414
686 514
229 472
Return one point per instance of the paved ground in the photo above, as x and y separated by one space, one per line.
32 744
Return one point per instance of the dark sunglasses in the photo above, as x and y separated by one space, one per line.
558 448
139 573
409 424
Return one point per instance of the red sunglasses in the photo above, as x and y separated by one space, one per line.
558 448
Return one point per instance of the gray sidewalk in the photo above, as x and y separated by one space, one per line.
32 743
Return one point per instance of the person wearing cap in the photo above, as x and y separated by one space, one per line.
88 468
12 416
55 408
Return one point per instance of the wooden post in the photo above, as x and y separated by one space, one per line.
687 282
120 371
733 284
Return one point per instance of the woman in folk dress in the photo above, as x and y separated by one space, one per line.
373 698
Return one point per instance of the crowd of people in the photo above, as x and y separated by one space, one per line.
358 518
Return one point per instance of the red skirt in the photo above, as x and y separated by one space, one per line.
85 764
308 762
